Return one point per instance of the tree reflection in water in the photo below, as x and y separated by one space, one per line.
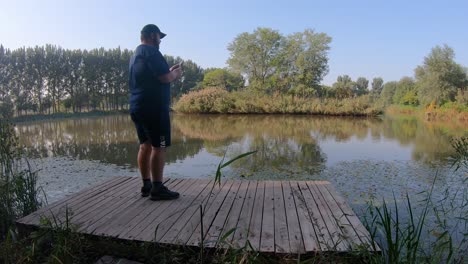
286 144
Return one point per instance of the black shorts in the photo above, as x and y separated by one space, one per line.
155 127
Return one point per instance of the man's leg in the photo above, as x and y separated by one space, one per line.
159 191
158 159
144 155
144 164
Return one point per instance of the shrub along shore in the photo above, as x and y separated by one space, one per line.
220 101
444 113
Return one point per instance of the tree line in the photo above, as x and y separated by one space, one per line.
50 79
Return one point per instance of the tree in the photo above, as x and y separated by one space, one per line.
6 104
387 93
377 85
440 76
405 92
224 79
256 56
343 87
361 86
304 62
55 61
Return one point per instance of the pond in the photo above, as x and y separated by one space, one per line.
365 158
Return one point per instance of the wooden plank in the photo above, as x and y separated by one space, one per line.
209 215
123 210
139 217
34 217
281 224
281 217
235 214
112 226
267 240
214 232
342 221
165 219
85 210
315 238
359 228
255 227
76 207
242 230
296 241
337 242
183 227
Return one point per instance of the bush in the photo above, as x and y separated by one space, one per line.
216 100
209 100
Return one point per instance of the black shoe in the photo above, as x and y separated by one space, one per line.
163 193
145 190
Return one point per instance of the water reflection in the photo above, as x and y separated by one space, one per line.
284 143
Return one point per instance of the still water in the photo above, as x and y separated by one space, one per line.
364 158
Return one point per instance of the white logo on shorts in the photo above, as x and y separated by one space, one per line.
162 141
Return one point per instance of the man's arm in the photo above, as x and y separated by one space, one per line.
170 76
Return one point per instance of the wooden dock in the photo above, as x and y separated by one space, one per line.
274 216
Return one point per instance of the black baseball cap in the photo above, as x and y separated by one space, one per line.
151 28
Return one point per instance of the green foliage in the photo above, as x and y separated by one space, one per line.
223 164
377 85
6 107
361 86
273 63
18 192
460 158
405 92
44 79
399 233
256 56
224 79
303 63
215 100
344 87
50 79
462 97
209 100
410 98
440 76
388 91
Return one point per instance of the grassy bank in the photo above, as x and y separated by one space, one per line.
214 101
444 113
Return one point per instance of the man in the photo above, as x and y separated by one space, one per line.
149 80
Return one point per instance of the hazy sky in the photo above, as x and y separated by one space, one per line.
370 38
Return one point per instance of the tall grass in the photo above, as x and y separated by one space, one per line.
18 192
446 112
215 100
430 231
18 195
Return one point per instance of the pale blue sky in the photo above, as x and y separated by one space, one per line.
370 38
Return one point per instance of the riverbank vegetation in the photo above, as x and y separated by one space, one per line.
267 72
218 100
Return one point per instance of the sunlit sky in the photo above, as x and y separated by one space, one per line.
370 38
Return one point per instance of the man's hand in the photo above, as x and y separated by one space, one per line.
174 73
177 71
178 65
